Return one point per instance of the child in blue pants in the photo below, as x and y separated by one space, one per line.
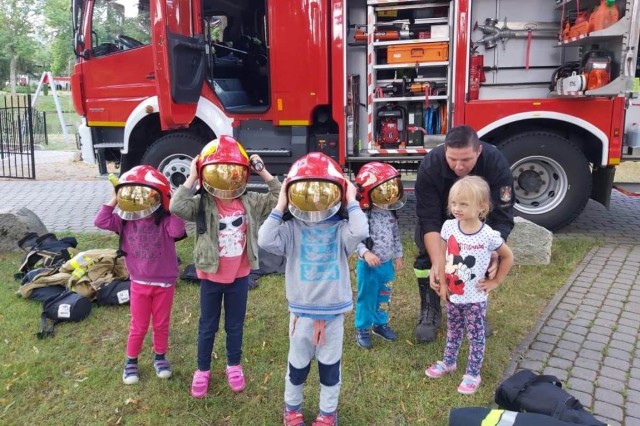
381 192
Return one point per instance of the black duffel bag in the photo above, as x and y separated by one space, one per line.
114 293
67 306
529 392
480 416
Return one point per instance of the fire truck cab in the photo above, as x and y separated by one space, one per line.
549 83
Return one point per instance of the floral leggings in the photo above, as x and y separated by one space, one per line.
469 316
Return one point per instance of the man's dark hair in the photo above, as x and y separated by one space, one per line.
462 137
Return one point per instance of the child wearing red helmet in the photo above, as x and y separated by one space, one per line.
147 242
225 249
379 257
317 243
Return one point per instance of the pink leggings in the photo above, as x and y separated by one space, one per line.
146 302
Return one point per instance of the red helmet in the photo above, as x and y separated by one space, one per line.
141 191
379 185
315 187
223 168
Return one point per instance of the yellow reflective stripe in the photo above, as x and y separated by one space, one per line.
293 123
492 418
499 418
80 264
106 123
79 261
78 273
421 273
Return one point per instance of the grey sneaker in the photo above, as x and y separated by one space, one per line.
163 368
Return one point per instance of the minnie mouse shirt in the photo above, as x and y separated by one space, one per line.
467 260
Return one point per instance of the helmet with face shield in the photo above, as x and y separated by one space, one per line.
223 168
379 185
316 187
140 192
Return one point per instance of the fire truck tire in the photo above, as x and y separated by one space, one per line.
551 177
172 154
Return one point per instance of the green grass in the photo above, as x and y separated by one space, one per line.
75 377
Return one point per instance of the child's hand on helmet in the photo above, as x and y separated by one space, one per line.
351 192
193 173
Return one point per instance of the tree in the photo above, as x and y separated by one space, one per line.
19 22
58 19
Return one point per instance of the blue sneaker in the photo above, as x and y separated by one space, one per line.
130 375
363 338
385 332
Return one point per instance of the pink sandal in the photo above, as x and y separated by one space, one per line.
235 378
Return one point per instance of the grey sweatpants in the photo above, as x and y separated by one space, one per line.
328 352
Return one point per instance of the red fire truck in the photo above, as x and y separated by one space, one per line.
548 82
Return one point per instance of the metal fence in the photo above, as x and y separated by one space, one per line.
17 157
40 133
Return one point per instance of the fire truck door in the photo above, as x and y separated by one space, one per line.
179 59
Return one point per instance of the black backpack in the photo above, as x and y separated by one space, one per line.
67 306
529 392
114 293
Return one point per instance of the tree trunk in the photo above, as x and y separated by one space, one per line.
12 74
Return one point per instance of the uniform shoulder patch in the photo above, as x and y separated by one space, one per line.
505 194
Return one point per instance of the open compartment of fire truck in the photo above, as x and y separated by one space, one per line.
598 32
405 55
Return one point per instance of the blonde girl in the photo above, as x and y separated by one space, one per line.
467 244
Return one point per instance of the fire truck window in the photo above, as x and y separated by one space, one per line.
119 26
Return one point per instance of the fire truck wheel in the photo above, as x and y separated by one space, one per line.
172 155
551 177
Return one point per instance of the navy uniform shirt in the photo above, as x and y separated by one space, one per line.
435 179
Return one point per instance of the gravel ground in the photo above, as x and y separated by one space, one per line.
71 170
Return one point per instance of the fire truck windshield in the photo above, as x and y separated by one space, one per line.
119 25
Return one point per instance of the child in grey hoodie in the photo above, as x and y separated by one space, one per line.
317 243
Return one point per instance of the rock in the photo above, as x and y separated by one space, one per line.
14 223
530 243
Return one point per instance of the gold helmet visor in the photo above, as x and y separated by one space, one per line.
137 201
389 195
226 181
314 200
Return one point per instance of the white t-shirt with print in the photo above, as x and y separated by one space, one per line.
467 260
